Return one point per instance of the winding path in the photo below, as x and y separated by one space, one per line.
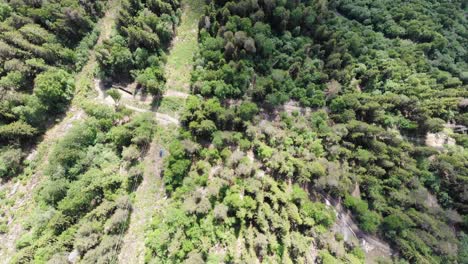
373 246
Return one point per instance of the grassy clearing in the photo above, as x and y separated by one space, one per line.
184 47
171 105
84 79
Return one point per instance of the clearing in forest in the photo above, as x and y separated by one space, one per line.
149 197
184 47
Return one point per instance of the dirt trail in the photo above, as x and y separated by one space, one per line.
84 78
148 200
102 97
150 196
175 93
20 192
178 68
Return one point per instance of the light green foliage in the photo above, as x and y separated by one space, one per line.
184 49
83 203
247 111
369 221
16 131
323 96
368 95
135 53
115 94
327 258
171 105
152 79
54 88
278 219
5 11
10 162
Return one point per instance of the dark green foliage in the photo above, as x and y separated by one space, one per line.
41 44
54 88
450 187
177 166
144 30
438 27
115 58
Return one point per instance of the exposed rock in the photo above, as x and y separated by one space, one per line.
73 257
463 103
438 140
357 191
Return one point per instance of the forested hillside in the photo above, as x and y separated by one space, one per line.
319 131
83 202
41 46
83 206
320 95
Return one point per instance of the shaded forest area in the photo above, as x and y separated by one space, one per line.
83 205
41 47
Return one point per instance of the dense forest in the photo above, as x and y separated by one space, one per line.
41 46
84 205
357 91
311 128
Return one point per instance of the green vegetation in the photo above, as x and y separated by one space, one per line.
41 45
84 205
356 95
184 47
292 102
437 27
171 105
135 53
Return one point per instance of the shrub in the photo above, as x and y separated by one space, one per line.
54 88
10 162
